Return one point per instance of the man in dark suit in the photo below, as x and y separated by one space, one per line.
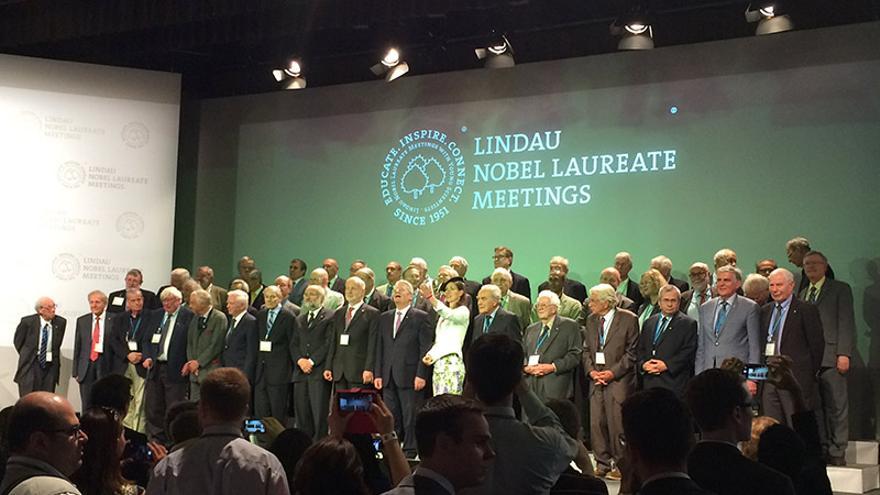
652 418
610 340
629 288
38 340
796 249
721 406
206 337
667 345
664 265
164 345
300 281
285 285
460 265
241 341
128 329
335 282
493 319
311 393
553 345
275 327
352 348
255 282
503 258
372 296
134 279
404 334
205 278
835 303
792 328
93 352
571 288
512 302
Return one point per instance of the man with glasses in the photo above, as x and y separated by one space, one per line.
38 343
700 291
503 258
46 446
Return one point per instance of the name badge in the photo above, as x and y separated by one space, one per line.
132 346
533 359
770 349
117 301
600 358
343 339
48 356
156 338
99 348
265 346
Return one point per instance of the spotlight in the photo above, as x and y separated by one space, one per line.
391 66
635 31
291 76
770 16
498 53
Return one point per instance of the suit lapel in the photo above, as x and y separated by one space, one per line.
790 322
729 312
402 324
554 330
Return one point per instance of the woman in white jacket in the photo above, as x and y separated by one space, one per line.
445 355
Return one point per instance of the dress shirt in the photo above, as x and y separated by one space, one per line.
609 317
646 313
773 316
172 320
354 309
721 302
102 323
402 313
491 318
693 309
818 285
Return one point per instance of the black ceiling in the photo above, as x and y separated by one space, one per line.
228 47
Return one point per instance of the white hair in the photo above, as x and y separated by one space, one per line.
553 299
789 277
170 292
504 272
605 293
494 290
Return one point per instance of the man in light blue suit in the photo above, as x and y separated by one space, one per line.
730 326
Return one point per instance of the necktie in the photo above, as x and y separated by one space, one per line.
601 332
774 329
722 317
96 337
487 323
545 330
660 329
702 297
203 322
165 326
230 329
311 318
348 316
389 290
270 322
44 345
397 323
504 301
812 296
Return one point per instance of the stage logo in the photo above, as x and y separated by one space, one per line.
422 175
71 174
65 266
130 225
135 135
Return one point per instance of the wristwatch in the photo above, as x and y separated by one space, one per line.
387 437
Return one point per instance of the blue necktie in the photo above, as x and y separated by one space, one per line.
660 329
270 322
774 329
44 345
722 317
487 323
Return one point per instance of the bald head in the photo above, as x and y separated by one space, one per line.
44 426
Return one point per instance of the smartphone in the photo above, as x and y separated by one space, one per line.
355 401
254 425
756 372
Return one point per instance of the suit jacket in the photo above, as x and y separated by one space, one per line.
400 357
311 342
176 348
275 366
289 306
259 301
471 287
676 346
672 486
681 284
296 294
620 351
571 288
338 284
520 306
350 361
218 297
802 282
504 322
27 344
124 331
241 344
802 340
562 348
835 304
520 285
721 468
116 301
633 292
82 347
380 301
740 337
205 343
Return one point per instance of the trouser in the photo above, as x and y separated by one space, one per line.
606 426
42 380
311 403
776 403
270 400
160 394
401 402
834 414
135 419
85 386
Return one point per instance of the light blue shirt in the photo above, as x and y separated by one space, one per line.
785 305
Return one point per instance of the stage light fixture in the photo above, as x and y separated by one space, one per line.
635 31
291 76
391 66
498 53
770 16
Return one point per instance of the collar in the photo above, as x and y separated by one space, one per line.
230 429
729 300
722 442
550 323
34 463
434 475
45 322
785 304
94 316
207 313
403 311
818 285
500 411
355 307
493 313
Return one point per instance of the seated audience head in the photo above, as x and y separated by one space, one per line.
239 284
331 465
460 265
663 265
503 257
494 368
568 416
602 298
453 440
757 288
355 289
623 263
313 298
320 277
728 280
284 283
725 256
669 299
289 447
759 424
488 298
245 266
658 432
112 391
182 422
650 283
765 266
171 299
44 426
179 276
205 276
721 405
698 274
781 284
224 398
610 276
453 289
355 266
101 470
236 302
501 277
796 249
331 266
297 269
782 449
393 272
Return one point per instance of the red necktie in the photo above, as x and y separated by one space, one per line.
96 337
348 316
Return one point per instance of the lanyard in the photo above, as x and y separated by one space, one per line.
542 338
135 326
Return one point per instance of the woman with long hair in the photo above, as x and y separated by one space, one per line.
331 465
446 353
101 472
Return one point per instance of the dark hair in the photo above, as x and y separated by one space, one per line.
658 425
182 421
442 414
331 465
301 262
26 419
505 251
456 281
568 416
494 366
225 392
100 472
713 395
782 448
113 391
289 447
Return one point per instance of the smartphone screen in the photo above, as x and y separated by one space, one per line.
355 402
253 425
756 373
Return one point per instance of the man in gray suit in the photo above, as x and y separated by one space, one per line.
611 338
38 343
729 326
835 303
90 361
553 345
517 304
205 340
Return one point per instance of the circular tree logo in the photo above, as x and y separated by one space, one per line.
65 266
71 175
135 135
422 175
130 225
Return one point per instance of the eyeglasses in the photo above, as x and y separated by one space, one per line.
70 431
